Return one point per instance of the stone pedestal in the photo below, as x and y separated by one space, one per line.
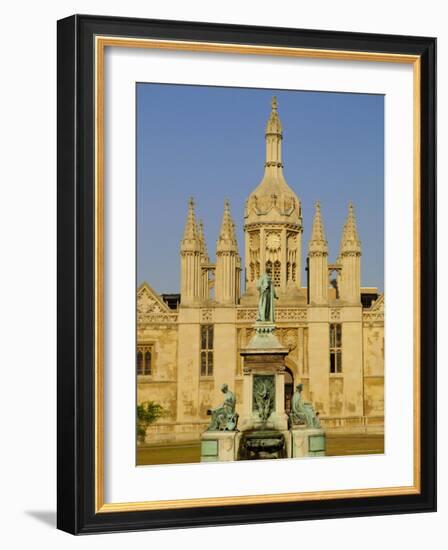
307 442
266 444
218 446
264 371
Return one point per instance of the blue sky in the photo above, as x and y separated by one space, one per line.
208 142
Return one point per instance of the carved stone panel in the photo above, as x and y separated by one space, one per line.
246 314
207 315
263 391
335 315
151 309
291 314
288 338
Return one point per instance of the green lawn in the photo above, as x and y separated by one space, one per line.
337 445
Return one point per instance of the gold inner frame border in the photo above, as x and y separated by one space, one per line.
101 42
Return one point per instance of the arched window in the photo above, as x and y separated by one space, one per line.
289 389
139 363
147 363
335 348
206 357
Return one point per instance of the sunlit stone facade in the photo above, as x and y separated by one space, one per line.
188 344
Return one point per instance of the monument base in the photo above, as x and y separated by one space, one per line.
276 421
307 442
257 444
218 446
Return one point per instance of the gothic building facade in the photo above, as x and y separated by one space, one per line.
188 344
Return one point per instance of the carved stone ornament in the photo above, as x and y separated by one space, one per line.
151 309
263 396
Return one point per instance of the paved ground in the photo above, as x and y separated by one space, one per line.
337 445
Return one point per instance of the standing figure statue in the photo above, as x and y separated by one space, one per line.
224 417
263 400
266 289
302 413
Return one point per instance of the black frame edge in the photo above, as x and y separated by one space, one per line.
428 298
76 444
67 94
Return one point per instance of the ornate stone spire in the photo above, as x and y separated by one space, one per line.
227 241
350 260
350 242
190 260
228 263
274 138
318 263
190 241
273 223
273 199
318 244
202 243
205 260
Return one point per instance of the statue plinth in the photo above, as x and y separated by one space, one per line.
218 446
264 337
263 381
307 441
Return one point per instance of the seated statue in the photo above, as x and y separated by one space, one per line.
224 417
302 414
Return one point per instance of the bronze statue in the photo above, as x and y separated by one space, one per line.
302 414
266 289
263 399
224 417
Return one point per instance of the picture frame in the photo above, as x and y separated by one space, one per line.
82 41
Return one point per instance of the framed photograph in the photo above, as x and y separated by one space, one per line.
246 274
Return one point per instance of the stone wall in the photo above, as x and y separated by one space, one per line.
352 401
373 370
161 385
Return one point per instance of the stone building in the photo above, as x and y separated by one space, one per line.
188 344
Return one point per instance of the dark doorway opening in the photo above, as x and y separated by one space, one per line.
289 389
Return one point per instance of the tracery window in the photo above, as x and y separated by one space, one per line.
147 368
139 362
145 357
335 348
206 350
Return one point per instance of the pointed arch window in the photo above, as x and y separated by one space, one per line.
139 362
148 367
145 359
206 358
335 348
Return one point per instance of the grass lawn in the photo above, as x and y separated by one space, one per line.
337 445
